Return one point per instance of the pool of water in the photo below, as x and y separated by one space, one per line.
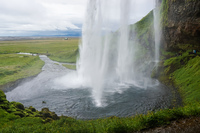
78 102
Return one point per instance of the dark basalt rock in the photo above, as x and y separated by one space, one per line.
183 24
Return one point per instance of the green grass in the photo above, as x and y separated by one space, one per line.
11 123
69 66
144 25
184 72
15 66
58 49
188 80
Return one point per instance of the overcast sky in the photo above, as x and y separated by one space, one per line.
52 17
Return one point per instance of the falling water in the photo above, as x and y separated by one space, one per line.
106 57
124 60
103 57
157 32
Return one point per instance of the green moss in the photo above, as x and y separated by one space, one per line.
2 96
19 113
18 105
164 12
144 25
187 79
32 109
105 125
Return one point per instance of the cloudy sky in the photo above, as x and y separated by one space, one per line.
53 17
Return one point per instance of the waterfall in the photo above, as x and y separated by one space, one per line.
124 60
104 56
157 32
108 58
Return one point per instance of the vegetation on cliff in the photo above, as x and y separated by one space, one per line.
180 66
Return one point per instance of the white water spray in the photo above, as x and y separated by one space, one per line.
124 65
103 57
157 31
106 58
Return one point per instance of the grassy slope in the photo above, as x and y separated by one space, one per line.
187 78
181 71
13 67
184 72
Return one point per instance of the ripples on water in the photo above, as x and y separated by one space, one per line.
78 101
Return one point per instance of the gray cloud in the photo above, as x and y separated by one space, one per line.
18 17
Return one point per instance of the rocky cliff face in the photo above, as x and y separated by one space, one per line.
182 24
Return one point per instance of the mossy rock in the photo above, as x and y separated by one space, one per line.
18 105
2 96
19 113
48 114
32 109
38 115
45 110
4 106
29 111
11 109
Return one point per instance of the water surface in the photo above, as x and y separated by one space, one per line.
78 102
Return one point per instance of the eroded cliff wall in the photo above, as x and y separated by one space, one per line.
181 24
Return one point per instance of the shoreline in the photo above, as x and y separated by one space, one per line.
12 85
